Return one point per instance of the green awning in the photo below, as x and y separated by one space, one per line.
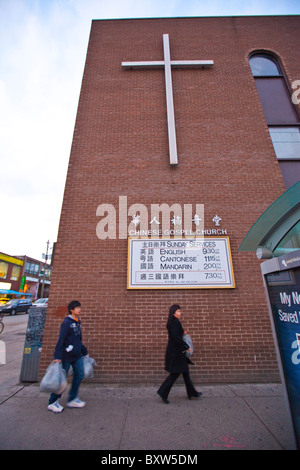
275 222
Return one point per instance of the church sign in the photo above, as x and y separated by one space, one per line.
179 263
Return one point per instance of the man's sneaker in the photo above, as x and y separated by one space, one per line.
55 407
76 403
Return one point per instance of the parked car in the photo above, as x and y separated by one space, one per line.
15 306
3 300
41 303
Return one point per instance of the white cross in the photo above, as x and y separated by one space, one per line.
167 63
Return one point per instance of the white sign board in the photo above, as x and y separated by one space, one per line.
179 263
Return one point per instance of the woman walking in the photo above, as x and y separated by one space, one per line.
176 362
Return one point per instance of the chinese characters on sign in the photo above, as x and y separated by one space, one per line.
179 263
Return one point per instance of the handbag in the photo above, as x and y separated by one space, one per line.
54 380
88 366
188 340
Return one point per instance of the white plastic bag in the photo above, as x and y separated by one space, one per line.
188 340
88 366
54 380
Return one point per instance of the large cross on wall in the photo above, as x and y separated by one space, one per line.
167 65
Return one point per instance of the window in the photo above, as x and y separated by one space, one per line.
262 65
280 113
3 269
32 268
15 274
286 141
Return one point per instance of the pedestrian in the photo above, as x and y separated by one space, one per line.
176 361
69 351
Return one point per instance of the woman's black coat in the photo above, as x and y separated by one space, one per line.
176 360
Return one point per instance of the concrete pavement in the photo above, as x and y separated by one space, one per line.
120 418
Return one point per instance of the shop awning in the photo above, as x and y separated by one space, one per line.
275 222
8 292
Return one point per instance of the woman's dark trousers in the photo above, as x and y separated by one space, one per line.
166 386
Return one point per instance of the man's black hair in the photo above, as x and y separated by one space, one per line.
73 304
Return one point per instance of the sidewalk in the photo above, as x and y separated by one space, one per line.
233 417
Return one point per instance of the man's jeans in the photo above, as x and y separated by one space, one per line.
78 374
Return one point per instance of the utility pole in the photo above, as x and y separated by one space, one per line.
44 273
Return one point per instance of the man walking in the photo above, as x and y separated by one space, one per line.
69 351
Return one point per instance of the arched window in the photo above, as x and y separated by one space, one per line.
280 113
263 66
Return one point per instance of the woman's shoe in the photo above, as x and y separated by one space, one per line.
195 395
163 399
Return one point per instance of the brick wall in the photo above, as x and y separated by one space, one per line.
226 162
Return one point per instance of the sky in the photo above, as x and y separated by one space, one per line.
43 46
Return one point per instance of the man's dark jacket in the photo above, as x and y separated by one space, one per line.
69 347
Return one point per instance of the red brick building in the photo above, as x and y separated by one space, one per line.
228 160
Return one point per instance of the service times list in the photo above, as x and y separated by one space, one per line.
180 263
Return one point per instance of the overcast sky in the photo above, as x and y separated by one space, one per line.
43 45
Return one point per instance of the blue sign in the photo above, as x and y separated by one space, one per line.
284 295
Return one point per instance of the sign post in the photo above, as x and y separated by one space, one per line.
281 278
